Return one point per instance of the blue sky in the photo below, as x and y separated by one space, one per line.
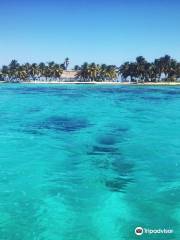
100 31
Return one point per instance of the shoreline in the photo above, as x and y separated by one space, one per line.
102 83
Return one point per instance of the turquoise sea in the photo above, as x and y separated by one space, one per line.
86 162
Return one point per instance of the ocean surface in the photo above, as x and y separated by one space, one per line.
86 162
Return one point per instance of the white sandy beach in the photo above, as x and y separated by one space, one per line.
104 83
101 83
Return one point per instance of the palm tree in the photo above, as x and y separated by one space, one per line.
13 70
103 72
14 64
83 74
158 68
177 71
42 69
94 71
133 74
166 62
77 67
151 73
172 71
5 72
124 70
141 66
112 72
34 71
57 71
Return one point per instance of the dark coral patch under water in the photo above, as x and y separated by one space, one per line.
65 124
54 91
120 130
123 170
121 166
33 132
34 110
56 124
104 149
112 159
118 184
98 150
107 140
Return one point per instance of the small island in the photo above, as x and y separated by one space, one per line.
162 71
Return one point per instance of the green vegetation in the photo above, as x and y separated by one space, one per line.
162 69
16 72
96 72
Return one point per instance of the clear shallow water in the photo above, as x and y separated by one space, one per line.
88 162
